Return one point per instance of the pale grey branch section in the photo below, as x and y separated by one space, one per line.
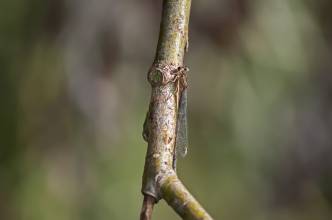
160 181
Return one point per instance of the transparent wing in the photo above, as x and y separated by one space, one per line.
182 126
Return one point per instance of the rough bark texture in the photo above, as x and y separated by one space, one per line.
159 179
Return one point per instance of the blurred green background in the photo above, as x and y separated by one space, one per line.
73 97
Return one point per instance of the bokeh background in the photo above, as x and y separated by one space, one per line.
73 97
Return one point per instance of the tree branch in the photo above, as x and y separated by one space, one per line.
147 207
159 179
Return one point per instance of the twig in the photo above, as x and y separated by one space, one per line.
147 207
159 179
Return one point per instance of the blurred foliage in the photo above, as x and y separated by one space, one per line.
73 94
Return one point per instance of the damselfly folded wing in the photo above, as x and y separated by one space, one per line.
182 126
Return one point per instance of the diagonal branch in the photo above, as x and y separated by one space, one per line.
159 179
